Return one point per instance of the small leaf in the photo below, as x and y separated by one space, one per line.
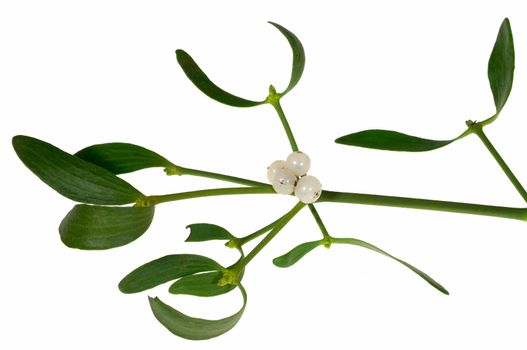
73 177
299 57
207 232
391 141
367 245
296 253
194 328
122 158
95 227
202 82
202 284
501 66
165 269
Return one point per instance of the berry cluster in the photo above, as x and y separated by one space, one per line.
290 176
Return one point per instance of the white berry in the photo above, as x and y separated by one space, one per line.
308 189
284 181
274 167
299 163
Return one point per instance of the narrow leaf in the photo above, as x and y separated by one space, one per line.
391 141
299 57
194 328
165 269
366 245
122 158
296 253
73 177
207 232
96 227
501 65
202 284
202 82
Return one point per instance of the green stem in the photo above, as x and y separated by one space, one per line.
319 221
261 231
153 200
278 108
478 130
216 176
279 226
427 204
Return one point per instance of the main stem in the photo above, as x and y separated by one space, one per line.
478 130
153 200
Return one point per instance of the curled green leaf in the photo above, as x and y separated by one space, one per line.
207 232
71 176
202 82
369 246
391 141
194 328
165 269
97 227
122 158
201 284
294 255
299 57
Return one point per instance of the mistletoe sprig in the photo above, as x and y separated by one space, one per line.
113 213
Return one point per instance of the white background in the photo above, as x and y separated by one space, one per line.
80 73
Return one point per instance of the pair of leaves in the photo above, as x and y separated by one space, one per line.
195 275
89 177
500 72
294 255
203 83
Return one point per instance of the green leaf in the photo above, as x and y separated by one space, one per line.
367 245
207 232
122 158
165 269
501 66
299 57
73 177
391 141
202 82
202 284
297 253
95 227
194 328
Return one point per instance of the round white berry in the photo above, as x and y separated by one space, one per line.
299 163
308 189
274 167
284 181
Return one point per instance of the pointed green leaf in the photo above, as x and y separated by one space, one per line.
367 245
73 177
122 158
296 253
501 65
96 227
391 141
207 232
202 284
299 57
194 328
165 269
202 82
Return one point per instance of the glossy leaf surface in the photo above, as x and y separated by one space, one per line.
73 177
194 328
369 246
202 284
391 141
165 269
122 158
299 57
96 227
207 232
501 66
202 82
297 253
